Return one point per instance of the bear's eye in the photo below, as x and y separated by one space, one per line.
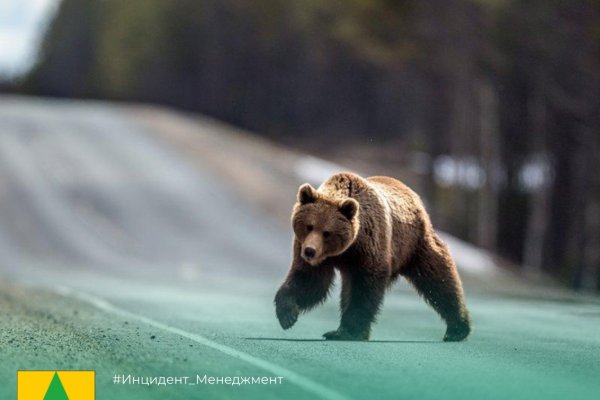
326 234
309 228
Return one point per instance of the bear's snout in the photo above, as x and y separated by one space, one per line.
310 253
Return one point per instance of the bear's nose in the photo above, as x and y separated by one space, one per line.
309 252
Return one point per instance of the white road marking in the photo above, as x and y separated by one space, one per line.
303 382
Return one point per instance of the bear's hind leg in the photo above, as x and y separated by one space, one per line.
433 274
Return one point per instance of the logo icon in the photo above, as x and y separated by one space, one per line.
56 385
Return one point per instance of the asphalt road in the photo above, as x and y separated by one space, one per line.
122 255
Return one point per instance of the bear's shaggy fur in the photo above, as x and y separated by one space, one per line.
372 230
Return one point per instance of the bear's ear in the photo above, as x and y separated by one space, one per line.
349 208
307 194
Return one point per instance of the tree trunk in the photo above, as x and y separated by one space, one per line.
487 212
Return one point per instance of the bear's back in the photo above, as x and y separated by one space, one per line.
404 202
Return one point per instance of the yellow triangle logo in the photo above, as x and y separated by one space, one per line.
56 385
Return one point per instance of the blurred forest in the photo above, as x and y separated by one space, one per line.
498 99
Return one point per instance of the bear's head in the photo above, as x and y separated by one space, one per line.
325 227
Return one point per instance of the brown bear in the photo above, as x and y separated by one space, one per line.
372 230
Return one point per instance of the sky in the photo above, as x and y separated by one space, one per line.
22 24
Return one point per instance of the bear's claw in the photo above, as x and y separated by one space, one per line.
287 321
287 315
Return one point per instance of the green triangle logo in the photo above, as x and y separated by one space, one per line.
56 391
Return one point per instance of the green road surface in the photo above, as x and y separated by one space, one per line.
121 255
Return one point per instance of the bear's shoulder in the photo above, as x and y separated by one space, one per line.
344 184
394 188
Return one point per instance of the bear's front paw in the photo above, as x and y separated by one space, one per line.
342 334
332 335
287 313
457 331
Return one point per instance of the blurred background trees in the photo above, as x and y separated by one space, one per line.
493 105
